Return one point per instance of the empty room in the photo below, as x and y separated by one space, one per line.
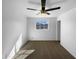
38 29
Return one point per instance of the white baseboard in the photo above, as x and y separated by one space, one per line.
67 49
43 40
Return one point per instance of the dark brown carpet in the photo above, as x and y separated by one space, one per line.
47 50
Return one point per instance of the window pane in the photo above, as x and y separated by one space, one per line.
43 24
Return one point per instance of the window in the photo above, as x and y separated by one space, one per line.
42 24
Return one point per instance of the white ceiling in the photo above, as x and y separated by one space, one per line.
64 4
48 2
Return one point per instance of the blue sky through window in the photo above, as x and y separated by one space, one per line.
42 21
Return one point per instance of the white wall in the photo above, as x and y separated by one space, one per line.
13 24
49 34
68 31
